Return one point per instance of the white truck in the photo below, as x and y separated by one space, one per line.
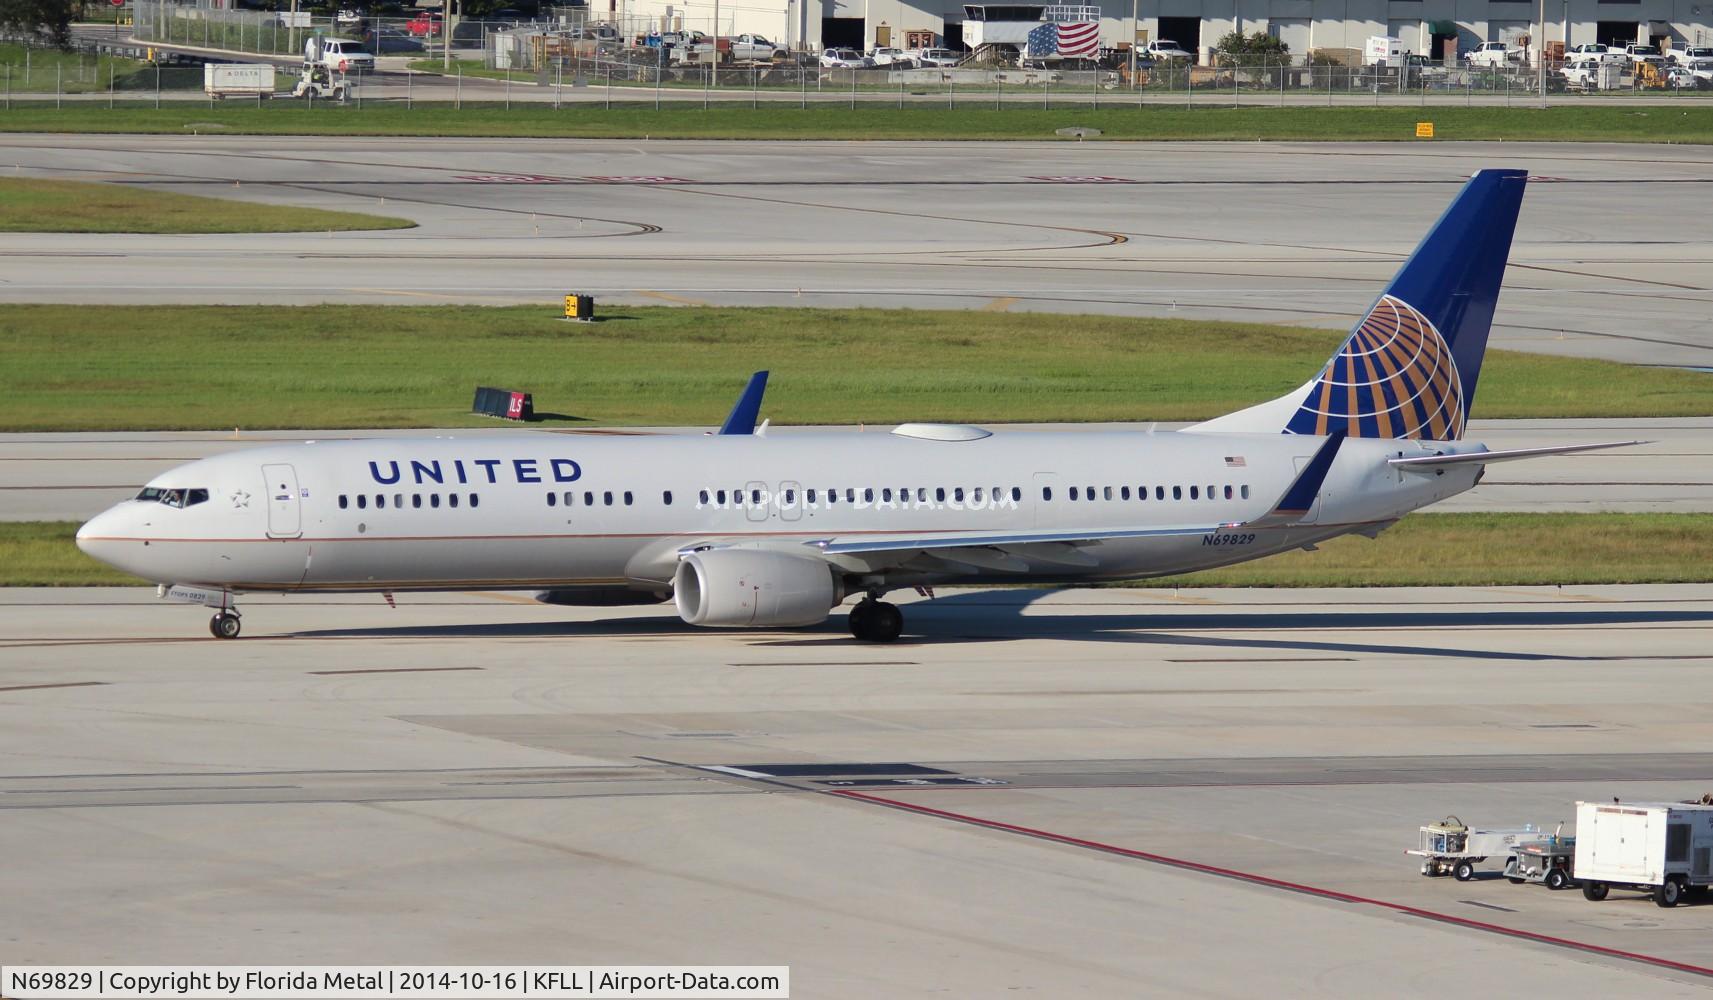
1662 848
340 54
754 48
1493 55
1590 74
1383 49
223 80
1597 52
1166 50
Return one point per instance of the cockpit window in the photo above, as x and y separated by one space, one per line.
173 497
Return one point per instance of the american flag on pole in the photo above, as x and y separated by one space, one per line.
1074 39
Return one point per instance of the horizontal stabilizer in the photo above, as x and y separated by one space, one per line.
1429 462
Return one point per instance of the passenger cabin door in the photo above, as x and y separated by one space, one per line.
1045 481
285 515
790 500
755 500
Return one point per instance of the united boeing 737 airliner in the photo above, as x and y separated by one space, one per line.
752 530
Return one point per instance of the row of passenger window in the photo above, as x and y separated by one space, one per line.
1212 492
570 498
868 495
814 497
417 500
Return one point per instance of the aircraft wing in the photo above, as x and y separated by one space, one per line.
1430 462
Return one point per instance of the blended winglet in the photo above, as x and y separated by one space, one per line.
742 418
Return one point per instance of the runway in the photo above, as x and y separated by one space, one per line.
1093 792
1609 261
78 475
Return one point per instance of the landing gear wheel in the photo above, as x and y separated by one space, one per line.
1557 879
1464 871
1595 891
876 621
225 625
1668 893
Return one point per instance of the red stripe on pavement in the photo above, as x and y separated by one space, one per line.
1274 883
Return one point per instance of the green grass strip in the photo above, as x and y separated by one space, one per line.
1490 550
41 206
974 118
1424 550
192 367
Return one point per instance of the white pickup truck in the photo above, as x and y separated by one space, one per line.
1695 57
1597 52
1165 50
754 48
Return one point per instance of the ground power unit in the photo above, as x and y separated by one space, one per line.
1661 848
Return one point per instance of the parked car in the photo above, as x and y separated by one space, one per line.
1493 55
845 59
388 39
1694 56
424 25
1637 53
1689 77
935 58
1595 51
1165 49
886 56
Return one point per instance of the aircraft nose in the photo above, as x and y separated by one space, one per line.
96 537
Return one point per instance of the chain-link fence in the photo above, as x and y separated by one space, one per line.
552 63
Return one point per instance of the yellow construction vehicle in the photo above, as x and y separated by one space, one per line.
1649 76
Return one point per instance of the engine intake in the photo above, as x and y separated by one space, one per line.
747 587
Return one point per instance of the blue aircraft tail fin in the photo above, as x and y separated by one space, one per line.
1409 368
742 418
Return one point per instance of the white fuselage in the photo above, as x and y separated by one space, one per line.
552 511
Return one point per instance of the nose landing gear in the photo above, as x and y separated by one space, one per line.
874 620
225 624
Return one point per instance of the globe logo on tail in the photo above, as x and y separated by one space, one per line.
1394 378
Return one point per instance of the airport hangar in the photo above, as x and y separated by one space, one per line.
1304 25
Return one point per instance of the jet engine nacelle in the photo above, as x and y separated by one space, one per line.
744 587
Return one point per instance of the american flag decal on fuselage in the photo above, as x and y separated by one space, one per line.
1394 378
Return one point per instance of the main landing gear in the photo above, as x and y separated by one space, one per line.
225 624
874 620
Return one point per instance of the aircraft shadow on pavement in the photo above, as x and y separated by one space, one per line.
998 616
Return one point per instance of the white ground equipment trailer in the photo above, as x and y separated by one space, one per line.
1549 862
1664 849
1449 847
223 80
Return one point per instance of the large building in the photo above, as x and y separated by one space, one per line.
1304 25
